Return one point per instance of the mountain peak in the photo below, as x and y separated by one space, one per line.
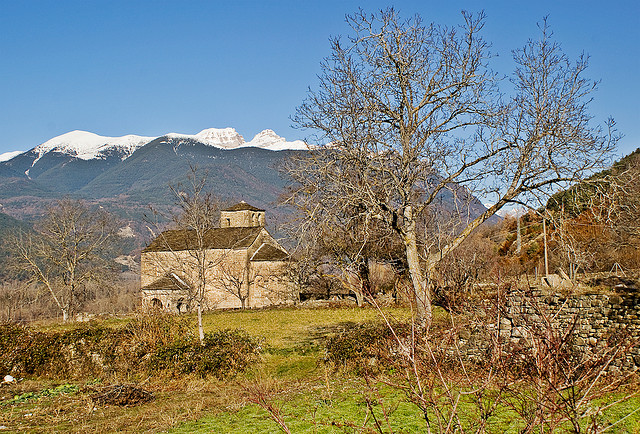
229 138
86 146
226 138
268 139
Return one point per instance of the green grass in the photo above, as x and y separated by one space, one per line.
284 328
345 410
291 375
318 410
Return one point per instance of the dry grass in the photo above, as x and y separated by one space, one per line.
176 401
291 377
283 327
189 398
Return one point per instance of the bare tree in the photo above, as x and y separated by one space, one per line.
197 214
237 280
67 251
596 221
397 102
342 243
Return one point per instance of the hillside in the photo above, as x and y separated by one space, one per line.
128 174
591 226
577 198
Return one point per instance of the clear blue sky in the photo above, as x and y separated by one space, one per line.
152 67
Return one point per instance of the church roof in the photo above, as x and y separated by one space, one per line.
242 206
218 238
168 282
267 252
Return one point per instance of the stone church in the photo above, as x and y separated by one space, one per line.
242 264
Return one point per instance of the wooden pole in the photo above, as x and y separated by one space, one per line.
519 242
546 256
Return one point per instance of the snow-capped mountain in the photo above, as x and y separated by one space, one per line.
228 138
268 139
512 212
9 155
224 138
89 146
93 166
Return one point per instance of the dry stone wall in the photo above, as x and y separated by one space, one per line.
594 320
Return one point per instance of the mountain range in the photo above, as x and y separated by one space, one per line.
127 175
131 172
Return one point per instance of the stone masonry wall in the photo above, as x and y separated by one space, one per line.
596 319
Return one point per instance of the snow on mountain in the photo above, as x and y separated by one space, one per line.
9 155
512 212
228 138
225 138
87 146
268 139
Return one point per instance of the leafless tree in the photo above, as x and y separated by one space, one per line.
67 251
197 213
340 243
237 280
410 114
596 222
614 209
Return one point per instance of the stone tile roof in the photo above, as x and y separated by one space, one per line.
242 206
267 252
218 238
168 282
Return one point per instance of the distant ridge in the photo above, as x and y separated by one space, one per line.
129 173
85 145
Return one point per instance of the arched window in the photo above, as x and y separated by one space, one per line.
156 303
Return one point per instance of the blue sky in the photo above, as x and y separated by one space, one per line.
153 67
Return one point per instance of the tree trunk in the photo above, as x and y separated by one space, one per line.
248 300
365 279
65 314
421 291
359 296
200 327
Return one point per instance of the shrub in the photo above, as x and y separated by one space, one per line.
146 345
158 329
366 347
224 353
87 350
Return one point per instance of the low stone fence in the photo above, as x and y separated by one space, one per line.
592 321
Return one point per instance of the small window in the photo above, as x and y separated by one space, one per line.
156 303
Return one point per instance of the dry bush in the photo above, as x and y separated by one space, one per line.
123 395
26 302
551 382
462 375
466 266
120 297
157 344
23 302
367 348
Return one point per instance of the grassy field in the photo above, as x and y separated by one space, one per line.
291 380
